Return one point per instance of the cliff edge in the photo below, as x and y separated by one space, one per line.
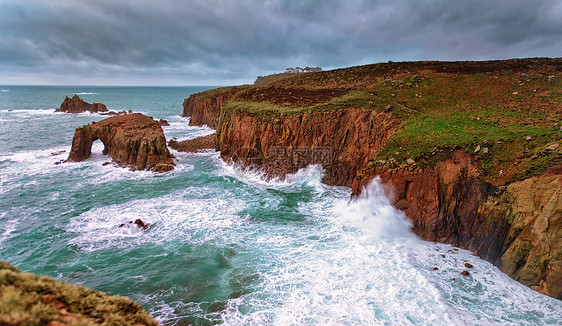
471 150
133 140
27 299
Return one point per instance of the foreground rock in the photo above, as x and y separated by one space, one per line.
77 105
195 145
132 140
28 299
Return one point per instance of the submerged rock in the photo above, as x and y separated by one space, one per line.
137 224
133 140
77 105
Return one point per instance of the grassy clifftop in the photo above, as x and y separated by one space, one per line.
508 113
27 299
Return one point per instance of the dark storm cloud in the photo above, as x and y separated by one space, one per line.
212 41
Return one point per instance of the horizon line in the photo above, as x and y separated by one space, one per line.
93 85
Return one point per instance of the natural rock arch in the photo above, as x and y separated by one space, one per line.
133 140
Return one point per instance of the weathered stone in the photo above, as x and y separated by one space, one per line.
518 227
341 141
132 140
205 111
194 145
77 105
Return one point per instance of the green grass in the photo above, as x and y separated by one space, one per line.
217 91
446 106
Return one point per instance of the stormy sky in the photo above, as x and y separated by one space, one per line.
214 42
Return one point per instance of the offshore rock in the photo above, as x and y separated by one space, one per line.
195 145
133 140
77 105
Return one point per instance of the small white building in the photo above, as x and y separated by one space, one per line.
299 70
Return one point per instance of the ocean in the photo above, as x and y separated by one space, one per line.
226 246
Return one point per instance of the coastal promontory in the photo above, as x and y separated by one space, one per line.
133 140
470 151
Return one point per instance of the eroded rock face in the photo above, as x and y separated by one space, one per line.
77 105
133 140
517 227
195 145
205 110
341 141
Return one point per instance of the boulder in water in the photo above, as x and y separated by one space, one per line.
138 224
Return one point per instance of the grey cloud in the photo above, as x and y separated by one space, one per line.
229 41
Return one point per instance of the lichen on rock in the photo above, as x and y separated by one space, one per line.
27 299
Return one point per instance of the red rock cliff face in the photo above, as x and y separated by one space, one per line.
205 110
131 140
516 227
341 141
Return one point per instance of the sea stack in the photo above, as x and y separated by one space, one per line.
132 140
78 105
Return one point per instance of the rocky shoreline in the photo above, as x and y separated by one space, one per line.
453 194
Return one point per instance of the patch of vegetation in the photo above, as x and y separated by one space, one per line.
504 107
27 299
502 115
216 91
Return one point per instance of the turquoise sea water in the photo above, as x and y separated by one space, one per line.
224 245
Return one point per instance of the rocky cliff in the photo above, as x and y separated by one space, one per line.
518 227
204 108
133 140
341 141
77 105
470 150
